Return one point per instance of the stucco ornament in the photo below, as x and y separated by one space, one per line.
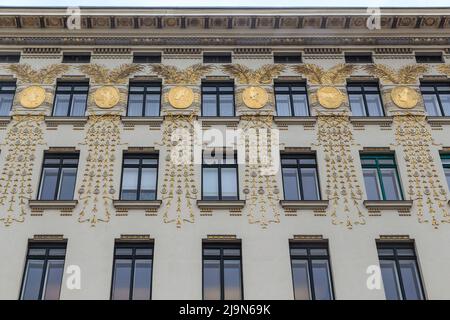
330 97
255 97
32 97
106 97
181 97
404 97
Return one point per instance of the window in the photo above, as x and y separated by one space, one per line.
381 177
365 100
76 58
7 90
287 57
219 176
9 57
291 100
311 272
70 99
429 57
132 271
222 271
446 163
59 174
143 57
300 178
400 272
144 99
217 100
358 57
217 57
44 271
436 97
139 177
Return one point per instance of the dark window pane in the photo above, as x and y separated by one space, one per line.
291 184
283 105
410 280
211 252
53 279
211 280
78 105
226 105
33 278
135 105
231 252
232 279
152 105
371 183
142 280
130 183
309 184
300 105
390 184
57 252
447 176
209 105
299 252
217 57
288 57
124 251
390 280
301 280
144 252
321 276
147 57
36 252
122 280
67 183
6 100
48 184
61 105
148 184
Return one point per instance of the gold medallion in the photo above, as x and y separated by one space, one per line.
255 97
106 97
181 97
32 97
404 97
330 97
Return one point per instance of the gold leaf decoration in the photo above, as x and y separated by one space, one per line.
102 75
47 75
317 75
405 75
445 69
190 75
245 75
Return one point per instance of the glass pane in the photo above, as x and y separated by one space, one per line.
211 252
226 105
385 252
210 184
229 184
445 102
290 184
309 184
298 252
410 280
386 162
231 252
232 279
33 278
318 252
301 280
131 161
142 282
57 252
300 105
144 252
48 184
124 251
357 105
321 276
67 183
148 184
447 176
371 182
122 280
61 105
129 183
53 279
211 280
6 100
150 161
78 105
390 184
283 105
405 252
289 161
374 105
209 108
432 105
152 105
135 105
36 252
390 279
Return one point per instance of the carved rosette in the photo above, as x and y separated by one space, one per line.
24 136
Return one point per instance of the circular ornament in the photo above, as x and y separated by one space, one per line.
330 97
255 97
32 97
106 97
180 97
404 97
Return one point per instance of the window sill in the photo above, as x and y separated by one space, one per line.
56 121
438 121
221 204
226 121
305 121
61 205
362 121
146 205
378 205
294 205
150 121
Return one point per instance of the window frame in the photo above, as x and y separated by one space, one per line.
222 245
436 93
308 245
10 57
133 245
424 55
140 166
71 92
378 167
217 93
380 244
144 85
60 166
363 92
291 99
13 92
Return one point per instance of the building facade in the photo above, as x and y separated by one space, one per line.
224 154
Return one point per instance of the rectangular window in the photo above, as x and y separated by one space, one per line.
436 97
44 269
139 177
9 57
300 177
216 57
70 99
311 271
144 99
287 57
217 100
144 57
446 164
365 100
132 271
429 57
222 271
400 271
219 176
76 58
381 177
291 100
358 57
58 178
7 91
